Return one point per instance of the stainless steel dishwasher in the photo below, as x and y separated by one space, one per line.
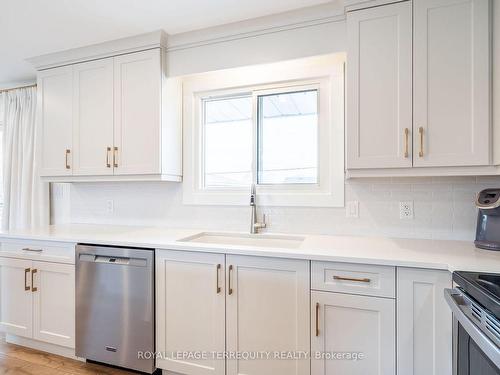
115 306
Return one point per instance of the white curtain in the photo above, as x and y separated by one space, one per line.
25 196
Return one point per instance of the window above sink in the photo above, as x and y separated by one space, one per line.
286 144
279 126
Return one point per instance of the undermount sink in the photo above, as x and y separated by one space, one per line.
243 239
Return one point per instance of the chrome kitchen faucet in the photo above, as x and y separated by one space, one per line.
254 224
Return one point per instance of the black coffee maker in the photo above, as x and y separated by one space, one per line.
488 220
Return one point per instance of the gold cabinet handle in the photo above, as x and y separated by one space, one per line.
33 288
421 132
317 319
407 142
26 273
230 289
32 250
363 280
108 164
115 157
217 287
68 151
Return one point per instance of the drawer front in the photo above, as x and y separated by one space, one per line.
59 252
369 280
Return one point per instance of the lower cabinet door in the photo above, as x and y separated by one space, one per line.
267 314
352 335
424 322
190 312
16 297
54 303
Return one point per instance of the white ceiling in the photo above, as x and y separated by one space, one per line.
35 27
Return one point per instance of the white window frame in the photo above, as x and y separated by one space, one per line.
326 73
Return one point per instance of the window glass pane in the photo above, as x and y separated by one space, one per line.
288 138
1 172
2 112
228 142
2 119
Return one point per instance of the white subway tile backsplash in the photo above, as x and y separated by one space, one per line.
453 180
443 208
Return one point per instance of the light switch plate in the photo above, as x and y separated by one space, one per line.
352 209
110 206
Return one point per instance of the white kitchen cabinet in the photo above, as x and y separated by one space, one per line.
53 252
351 5
37 292
55 120
267 310
211 303
16 297
110 113
419 89
379 91
451 79
93 118
343 323
353 278
424 322
53 292
190 305
138 79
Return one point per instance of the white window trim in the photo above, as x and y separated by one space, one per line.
325 72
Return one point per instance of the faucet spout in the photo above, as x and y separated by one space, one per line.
252 196
254 224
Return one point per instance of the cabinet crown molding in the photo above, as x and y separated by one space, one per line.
141 42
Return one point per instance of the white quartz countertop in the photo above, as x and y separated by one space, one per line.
435 254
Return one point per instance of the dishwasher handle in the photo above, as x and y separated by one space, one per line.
111 259
115 260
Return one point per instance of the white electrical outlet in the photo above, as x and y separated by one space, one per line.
406 210
352 209
110 206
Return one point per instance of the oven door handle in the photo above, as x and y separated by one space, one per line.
454 298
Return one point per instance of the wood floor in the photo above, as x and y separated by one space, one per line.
16 359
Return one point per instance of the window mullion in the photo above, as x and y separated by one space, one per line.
255 137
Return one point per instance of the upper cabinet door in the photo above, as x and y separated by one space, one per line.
55 116
451 82
267 310
93 118
379 108
137 113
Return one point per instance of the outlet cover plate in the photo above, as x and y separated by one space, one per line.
406 210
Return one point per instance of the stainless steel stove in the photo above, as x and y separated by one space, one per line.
475 304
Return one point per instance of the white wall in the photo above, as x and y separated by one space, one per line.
444 207
291 35
276 46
